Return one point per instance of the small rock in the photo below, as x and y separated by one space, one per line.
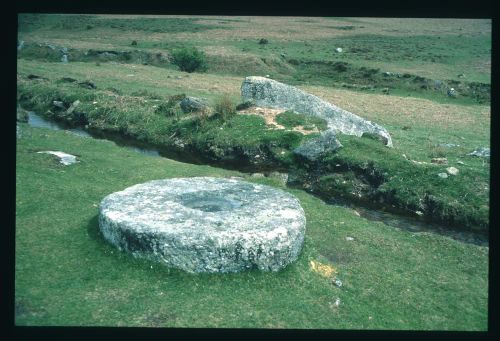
59 104
443 175
317 147
387 73
440 160
452 93
73 107
481 152
64 58
337 282
461 162
452 170
349 238
191 104
419 213
338 50
337 302
258 175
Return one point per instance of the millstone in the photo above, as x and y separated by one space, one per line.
205 224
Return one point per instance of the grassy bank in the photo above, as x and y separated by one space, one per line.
363 169
66 275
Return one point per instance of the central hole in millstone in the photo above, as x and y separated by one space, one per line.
210 203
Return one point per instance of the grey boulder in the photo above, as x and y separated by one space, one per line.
314 148
270 93
205 224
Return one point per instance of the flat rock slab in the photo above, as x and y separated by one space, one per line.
205 224
270 93
64 158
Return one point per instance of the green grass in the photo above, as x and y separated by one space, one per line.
291 119
32 22
67 275
446 50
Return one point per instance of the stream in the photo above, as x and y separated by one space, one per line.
410 224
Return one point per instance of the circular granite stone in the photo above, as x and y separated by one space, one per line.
205 224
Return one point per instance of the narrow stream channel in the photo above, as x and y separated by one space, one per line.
404 223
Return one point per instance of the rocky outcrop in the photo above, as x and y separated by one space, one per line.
267 92
205 224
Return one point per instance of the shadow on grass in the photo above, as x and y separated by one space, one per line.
93 230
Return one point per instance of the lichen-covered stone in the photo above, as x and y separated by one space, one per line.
267 92
190 104
205 224
314 148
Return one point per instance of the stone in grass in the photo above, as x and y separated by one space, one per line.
73 107
439 160
443 175
205 224
270 93
452 170
317 147
64 158
191 104
481 152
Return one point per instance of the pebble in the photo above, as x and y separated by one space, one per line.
439 160
452 170
443 175
349 238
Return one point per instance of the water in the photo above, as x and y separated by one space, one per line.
401 222
414 225
36 120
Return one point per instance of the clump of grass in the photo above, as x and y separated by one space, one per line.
225 107
291 119
202 116
189 59
171 107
